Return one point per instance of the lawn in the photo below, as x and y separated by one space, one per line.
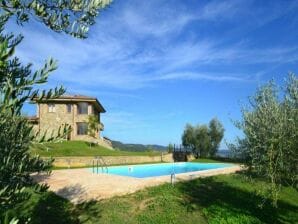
81 148
221 199
206 160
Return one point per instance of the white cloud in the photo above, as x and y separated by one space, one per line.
200 76
137 46
223 9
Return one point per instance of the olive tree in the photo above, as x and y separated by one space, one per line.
203 140
18 84
270 126
216 133
188 137
170 148
72 17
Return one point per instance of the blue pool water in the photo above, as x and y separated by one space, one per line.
162 169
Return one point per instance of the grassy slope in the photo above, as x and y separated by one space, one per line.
80 148
221 199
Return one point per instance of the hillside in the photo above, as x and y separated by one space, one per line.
81 148
137 147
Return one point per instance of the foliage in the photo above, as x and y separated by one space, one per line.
170 148
69 16
203 140
270 127
218 199
93 125
16 163
188 137
17 81
216 133
44 207
16 87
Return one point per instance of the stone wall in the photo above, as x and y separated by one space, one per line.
111 160
51 121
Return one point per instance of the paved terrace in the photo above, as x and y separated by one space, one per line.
79 185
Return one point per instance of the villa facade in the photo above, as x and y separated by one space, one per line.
71 110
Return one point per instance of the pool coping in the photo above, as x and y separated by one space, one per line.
80 185
192 173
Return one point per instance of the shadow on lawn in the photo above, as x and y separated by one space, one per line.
90 212
45 208
53 209
75 193
222 199
49 208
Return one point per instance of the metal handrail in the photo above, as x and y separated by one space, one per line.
104 163
99 163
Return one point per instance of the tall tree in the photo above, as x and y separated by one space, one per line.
170 148
216 133
203 140
188 137
270 127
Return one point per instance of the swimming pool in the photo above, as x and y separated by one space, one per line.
162 169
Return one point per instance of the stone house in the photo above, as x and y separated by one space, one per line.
72 110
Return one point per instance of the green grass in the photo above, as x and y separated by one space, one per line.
223 199
81 148
206 160
217 160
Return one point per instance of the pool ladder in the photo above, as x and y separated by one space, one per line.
99 163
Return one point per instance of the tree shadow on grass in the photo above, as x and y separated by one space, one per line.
75 193
45 208
50 208
53 209
89 212
222 199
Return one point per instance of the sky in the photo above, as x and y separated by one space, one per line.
157 65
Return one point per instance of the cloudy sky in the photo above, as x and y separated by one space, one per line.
157 65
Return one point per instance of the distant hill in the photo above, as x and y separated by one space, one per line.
137 147
224 153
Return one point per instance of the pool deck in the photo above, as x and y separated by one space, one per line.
79 185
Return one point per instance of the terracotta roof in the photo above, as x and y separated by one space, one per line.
77 98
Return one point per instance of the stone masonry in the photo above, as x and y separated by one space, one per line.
49 120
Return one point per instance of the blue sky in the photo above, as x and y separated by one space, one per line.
157 65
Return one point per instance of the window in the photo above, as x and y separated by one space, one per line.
68 108
51 107
82 128
82 108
